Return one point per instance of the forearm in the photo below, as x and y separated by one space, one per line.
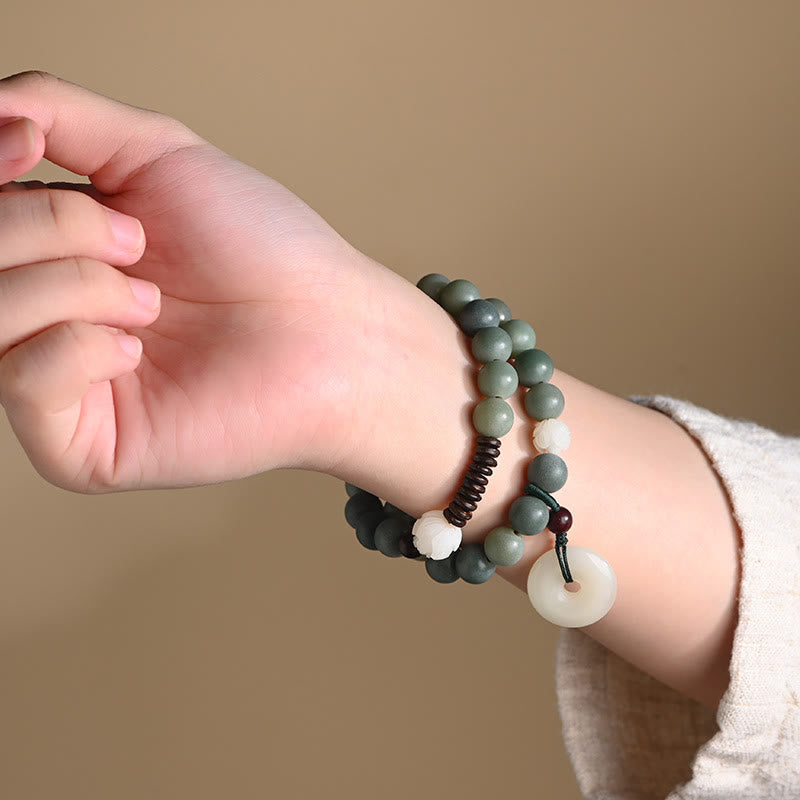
641 491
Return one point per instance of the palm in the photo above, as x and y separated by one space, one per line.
229 369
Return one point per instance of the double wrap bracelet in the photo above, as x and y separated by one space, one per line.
570 592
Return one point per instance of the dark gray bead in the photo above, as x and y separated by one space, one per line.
529 515
387 536
394 511
365 530
444 570
432 284
497 379
351 490
533 366
472 565
360 503
502 309
477 314
491 344
456 294
544 401
523 337
548 471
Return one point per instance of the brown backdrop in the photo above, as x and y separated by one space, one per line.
628 172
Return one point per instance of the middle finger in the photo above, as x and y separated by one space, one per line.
48 224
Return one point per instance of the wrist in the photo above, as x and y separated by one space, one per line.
411 435
640 489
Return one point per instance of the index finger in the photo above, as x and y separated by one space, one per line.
88 133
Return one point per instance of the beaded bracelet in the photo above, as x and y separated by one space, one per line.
553 591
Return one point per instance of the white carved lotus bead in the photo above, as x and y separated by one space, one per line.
551 436
434 536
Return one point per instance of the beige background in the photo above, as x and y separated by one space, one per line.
625 173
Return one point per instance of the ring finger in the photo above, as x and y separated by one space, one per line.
37 296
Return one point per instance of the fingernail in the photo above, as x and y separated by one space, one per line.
130 345
16 141
146 293
127 230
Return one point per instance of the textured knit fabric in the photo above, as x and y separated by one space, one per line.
628 736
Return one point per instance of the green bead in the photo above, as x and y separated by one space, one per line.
502 309
456 294
476 315
528 515
493 417
491 344
387 536
504 546
365 529
472 565
431 284
544 401
548 471
497 379
523 337
533 366
360 503
443 570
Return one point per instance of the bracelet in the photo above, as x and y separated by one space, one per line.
568 594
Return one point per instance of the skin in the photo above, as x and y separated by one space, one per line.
279 345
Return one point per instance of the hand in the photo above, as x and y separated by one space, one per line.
248 366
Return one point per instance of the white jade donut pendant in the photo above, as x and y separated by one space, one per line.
547 592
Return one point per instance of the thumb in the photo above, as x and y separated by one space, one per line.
88 133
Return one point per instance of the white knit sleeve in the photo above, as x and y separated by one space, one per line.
628 736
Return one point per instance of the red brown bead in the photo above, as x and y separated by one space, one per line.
560 521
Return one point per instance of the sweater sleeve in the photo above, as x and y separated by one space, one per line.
630 737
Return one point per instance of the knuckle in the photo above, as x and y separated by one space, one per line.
33 82
12 378
36 77
39 76
60 210
101 282
172 130
90 274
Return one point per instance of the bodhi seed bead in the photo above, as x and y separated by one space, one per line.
472 565
432 284
491 344
365 530
528 515
394 511
548 471
443 570
456 294
387 536
523 337
358 504
544 401
504 546
492 417
497 379
502 309
533 366
477 314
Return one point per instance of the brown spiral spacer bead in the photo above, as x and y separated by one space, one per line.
466 500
